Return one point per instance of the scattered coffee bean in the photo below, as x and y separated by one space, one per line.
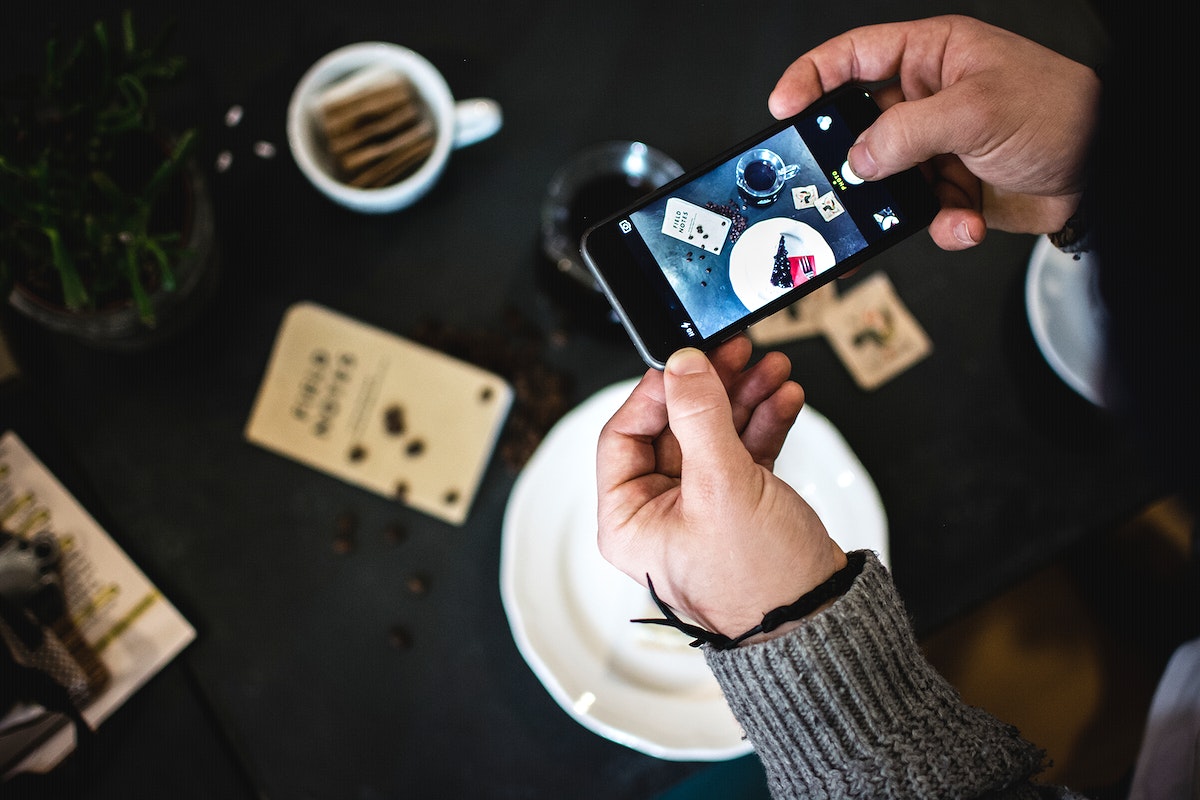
731 210
399 637
357 453
541 391
417 584
395 533
450 497
345 529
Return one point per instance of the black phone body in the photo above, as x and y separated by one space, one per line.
752 230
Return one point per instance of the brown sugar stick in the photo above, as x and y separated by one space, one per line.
345 113
394 121
387 170
357 160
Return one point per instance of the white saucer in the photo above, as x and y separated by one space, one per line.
1067 317
569 610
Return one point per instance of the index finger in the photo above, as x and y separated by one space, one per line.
625 449
867 54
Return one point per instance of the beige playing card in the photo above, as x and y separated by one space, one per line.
873 333
379 411
802 318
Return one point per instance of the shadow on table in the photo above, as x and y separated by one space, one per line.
739 779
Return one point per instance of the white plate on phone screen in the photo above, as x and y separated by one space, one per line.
640 685
1067 317
752 259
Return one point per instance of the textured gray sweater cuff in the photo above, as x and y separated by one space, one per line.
847 706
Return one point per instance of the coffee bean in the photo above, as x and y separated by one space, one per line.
344 531
399 637
395 533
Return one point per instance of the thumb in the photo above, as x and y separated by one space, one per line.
700 416
914 131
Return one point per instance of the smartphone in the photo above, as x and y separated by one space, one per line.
752 230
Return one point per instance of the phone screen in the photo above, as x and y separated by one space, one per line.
762 225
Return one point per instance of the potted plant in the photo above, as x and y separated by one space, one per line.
105 223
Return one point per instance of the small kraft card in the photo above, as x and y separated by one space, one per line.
379 411
700 227
873 333
801 319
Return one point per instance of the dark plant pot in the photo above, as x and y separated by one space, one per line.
120 327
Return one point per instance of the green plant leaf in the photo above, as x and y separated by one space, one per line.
179 153
164 264
130 114
74 294
129 37
100 32
140 299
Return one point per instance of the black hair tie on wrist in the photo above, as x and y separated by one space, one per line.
836 586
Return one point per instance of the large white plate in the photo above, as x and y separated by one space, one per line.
569 610
753 257
1067 317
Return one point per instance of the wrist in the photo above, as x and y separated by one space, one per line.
775 622
790 625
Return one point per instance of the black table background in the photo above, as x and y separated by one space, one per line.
987 464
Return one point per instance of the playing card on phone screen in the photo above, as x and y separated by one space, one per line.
696 225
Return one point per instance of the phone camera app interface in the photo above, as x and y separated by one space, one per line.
758 225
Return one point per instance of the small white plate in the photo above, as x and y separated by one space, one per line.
1067 317
753 257
569 609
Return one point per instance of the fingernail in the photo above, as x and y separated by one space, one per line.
687 361
962 232
862 161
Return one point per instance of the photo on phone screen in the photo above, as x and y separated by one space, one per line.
759 227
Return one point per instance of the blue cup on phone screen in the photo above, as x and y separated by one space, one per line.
761 174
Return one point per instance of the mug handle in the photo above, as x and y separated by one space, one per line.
475 120
790 171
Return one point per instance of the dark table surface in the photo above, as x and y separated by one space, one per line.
987 464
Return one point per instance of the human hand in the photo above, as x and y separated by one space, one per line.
686 492
1002 122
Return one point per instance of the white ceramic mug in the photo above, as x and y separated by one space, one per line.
458 123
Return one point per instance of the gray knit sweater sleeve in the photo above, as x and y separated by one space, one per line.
846 706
